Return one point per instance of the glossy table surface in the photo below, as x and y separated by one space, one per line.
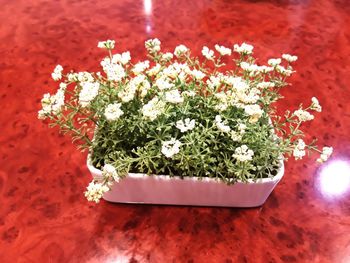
44 216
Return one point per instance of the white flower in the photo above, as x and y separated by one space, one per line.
235 136
283 70
243 49
173 96
326 153
299 150
109 172
88 92
63 85
243 154
250 98
186 125
108 44
167 56
143 85
139 83
153 108
289 58
163 83
95 191
208 53
220 124
273 62
51 104
223 50
154 70
214 82
128 93
114 71
242 127
249 67
80 77
254 111
123 58
221 106
315 105
238 84
189 93
265 85
180 50
265 69
140 67
113 112
57 73
197 74
303 115
153 45
170 148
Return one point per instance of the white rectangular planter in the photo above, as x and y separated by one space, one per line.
162 189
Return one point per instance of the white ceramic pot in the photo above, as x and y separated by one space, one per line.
166 190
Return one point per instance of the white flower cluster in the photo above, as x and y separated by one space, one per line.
154 70
223 51
140 67
249 67
123 58
95 191
113 111
57 73
189 93
88 92
80 77
284 71
303 115
236 136
299 150
265 85
113 70
245 49
153 45
52 104
186 125
170 148
108 44
173 96
326 153
208 53
197 74
138 83
220 124
243 154
254 69
176 70
180 50
273 62
109 173
163 83
315 105
254 112
167 56
289 58
153 108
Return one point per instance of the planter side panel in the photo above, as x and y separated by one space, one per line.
175 191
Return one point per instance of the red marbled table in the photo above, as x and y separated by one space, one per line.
44 216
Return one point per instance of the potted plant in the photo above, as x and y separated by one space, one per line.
179 129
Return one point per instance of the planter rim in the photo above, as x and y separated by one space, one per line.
275 178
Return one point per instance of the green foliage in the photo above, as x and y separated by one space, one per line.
132 142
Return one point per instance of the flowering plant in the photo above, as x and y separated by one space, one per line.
176 114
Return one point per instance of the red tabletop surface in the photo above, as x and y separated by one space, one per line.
44 216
